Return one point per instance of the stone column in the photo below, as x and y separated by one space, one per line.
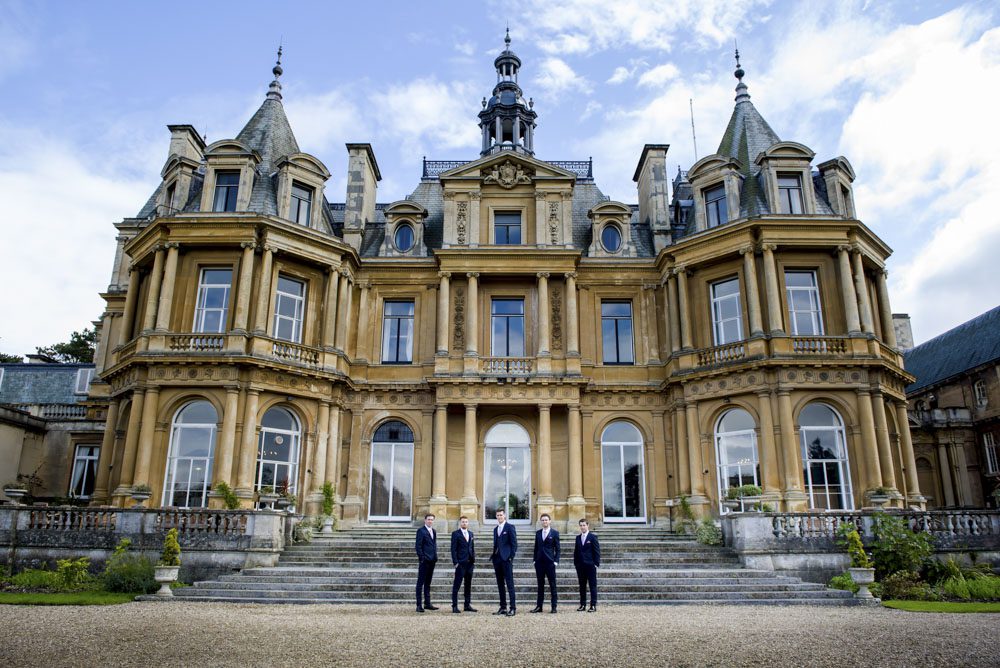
131 297
344 310
753 295
847 293
882 441
673 314
685 313
474 198
131 442
472 316
572 317
545 457
469 463
541 238
652 325
438 486
861 287
153 296
264 292
106 456
681 447
146 433
790 452
869 444
575 457
248 448
944 469
444 312
167 287
962 487
768 451
364 340
694 452
913 493
885 311
544 326
244 288
333 451
772 291
330 307
223 468
322 445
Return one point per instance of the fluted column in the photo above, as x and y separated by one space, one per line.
244 288
768 451
869 444
106 456
861 287
544 324
673 314
322 444
545 453
167 287
882 440
444 312
131 297
773 293
330 307
248 447
343 310
575 456
913 492
438 486
963 490
472 316
364 343
333 450
146 433
753 295
131 440
153 296
227 440
791 456
471 443
685 313
572 317
694 451
884 310
264 291
847 293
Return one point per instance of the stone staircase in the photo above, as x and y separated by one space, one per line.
640 565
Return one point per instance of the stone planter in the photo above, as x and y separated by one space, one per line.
862 577
731 505
748 503
327 526
140 498
165 575
878 500
266 500
15 494
281 503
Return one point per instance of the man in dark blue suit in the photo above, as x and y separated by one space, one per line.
586 558
546 558
463 555
427 552
504 549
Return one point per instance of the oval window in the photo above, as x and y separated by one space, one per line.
404 238
611 237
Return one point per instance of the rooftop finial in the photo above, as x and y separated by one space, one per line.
741 88
274 90
739 70
277 65
506 39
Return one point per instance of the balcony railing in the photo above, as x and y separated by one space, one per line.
507 366
54 411
584 169
819 345
296 353
729 352
196 342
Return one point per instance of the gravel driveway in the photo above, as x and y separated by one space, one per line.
188 634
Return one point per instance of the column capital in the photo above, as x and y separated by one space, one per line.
844 248
573 408
747 250
472 274
171 244
650 286
856 247
444 274
566 195
441 406
232 389
448 194
345 272
542 274
544 407
253 392
475 195
763 394
884 273
768 247
471 407
570 274
252 245
364 285
540 195
677 271
268 248
863 391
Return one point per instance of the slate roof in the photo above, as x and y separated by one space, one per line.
40 383
965 347
269 133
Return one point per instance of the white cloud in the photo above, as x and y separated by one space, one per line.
466 48
427 112
659 75
621 75
555 77
326 121
593 106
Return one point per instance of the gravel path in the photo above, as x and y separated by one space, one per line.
188 634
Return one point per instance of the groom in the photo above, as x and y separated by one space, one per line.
504 549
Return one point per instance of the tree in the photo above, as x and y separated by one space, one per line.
79 348
10 359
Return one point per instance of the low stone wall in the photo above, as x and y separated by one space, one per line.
804 544
213 542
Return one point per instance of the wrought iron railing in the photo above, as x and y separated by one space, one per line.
584 169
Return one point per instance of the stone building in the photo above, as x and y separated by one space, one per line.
506 336
955 414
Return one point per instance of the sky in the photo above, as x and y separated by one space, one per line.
907 91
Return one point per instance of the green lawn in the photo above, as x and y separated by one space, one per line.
941 606
65 598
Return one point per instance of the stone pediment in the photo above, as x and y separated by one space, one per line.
507 169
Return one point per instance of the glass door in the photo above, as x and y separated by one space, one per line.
508 484
622 474
392 474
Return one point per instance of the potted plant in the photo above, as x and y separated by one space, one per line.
748 497
140 493
732 501
328 498
266 497
169 564
878 497
862 569
15 491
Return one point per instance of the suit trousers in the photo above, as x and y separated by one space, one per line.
424 575
463 574
586 574
546 571
504 571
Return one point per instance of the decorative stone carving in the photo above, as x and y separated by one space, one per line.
459 336
554 222
462 221
556 299
508 174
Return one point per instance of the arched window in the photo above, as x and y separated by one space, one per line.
736 451
622 473
507 467
190 455
278 451
824 458
392 472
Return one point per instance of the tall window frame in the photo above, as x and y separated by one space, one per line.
991 452
805 310
623 473
397 331
827 471
227 190
211 311
507 327
617 332
84 377
390 494
790 192
289 308
507 228
716 207
300 210
736 453
278 448
981 395
84 475
727 311
190 455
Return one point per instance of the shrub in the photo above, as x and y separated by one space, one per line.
896 548
956 588
851 540
743 490
843 581
171 555
907 586
328 498
141 488
36 579
127 572
707 533
984 588
73 573
229 498
303 532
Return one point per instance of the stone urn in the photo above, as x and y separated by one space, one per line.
327 526
15 494
165 575
863 577
266 501
878 500
140 497
731 505
751 504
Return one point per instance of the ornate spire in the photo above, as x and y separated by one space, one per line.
506 39
507 121
741 88
274 90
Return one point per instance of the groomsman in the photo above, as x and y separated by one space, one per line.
546 558
463 555
504 549
586 558
428 556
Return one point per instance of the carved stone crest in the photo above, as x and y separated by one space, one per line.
556 320
462 221
459 335
554 221
508 174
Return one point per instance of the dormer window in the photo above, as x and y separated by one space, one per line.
507 228
403 239
790 193
611 238
301 207
716 210
227 187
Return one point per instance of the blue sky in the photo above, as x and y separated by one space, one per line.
906 90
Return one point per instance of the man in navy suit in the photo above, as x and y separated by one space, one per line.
427 552
463 555
586 558
546 558
504 549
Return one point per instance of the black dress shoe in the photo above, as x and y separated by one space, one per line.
469 608
537 608
420 609
455 610
553 611
592 608
512 612
501 611
431 607
581 608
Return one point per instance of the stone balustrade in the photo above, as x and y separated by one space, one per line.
730 352
819 345
507 366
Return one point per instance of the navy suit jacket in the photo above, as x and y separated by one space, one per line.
589 554
505 544
462 551
547 550
426 545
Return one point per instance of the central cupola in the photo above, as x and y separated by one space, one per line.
507 121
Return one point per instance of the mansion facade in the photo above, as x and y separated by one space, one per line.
506 336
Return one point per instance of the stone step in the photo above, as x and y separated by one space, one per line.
406 589
564 579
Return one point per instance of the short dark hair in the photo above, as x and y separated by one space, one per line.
583 520
430 515
546 515
501 510
463 517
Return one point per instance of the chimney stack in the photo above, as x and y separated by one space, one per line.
362 181
654 205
